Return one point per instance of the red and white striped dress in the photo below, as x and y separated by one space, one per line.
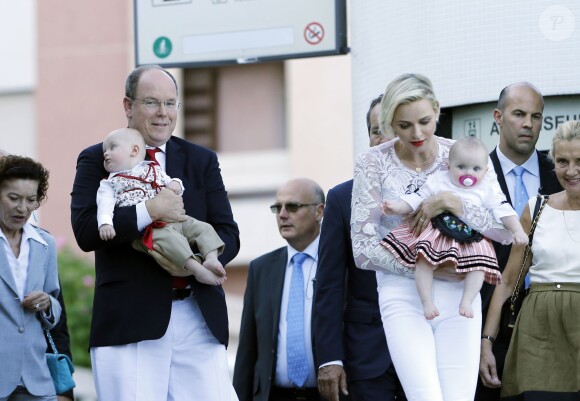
438 248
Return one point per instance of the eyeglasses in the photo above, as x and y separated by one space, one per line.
155 104
290 207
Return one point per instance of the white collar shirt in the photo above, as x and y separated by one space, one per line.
19 266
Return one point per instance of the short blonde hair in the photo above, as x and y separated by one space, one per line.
406 88
565 132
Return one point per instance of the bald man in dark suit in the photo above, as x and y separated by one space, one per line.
519 118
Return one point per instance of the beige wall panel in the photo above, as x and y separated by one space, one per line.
319 119
83 59
250 104
18 120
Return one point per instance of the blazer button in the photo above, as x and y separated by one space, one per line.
21 329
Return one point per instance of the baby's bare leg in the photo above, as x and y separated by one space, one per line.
212 263
472 285
424 282
202 274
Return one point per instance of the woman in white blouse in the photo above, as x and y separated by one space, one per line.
28 283
435 359
543 359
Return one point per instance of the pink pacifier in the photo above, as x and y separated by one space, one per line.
467 180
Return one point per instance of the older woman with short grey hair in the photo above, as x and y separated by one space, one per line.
543 360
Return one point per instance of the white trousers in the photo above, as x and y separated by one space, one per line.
187 364
436 360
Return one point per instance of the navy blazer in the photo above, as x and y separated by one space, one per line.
346 323
258 345
132 293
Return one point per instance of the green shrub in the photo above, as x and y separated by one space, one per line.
77 279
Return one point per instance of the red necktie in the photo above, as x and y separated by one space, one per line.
151 155
177 282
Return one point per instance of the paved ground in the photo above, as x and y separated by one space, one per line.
85 389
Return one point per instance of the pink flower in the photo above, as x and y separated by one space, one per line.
88 281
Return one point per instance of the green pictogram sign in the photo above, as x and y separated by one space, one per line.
162 47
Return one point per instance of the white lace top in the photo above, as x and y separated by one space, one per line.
379 174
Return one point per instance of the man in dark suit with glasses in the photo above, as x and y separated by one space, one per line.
275 359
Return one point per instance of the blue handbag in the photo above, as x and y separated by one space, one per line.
61 368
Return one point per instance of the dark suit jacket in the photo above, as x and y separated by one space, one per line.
346 322
257 349
548 185
132 293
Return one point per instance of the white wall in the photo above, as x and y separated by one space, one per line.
469 49
18 76
17 46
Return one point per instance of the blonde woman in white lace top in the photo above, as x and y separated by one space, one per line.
436 360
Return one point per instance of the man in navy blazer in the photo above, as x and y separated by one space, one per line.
347 324
141 317
519 118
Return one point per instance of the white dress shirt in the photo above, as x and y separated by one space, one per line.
19 266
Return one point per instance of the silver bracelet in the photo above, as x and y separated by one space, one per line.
490 338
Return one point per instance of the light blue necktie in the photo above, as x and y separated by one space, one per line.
520 194
295 346
520 199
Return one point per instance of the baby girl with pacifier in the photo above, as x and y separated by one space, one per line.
446 240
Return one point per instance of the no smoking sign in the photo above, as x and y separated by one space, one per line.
314 33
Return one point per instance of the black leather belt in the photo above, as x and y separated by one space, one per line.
180 293
294 394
